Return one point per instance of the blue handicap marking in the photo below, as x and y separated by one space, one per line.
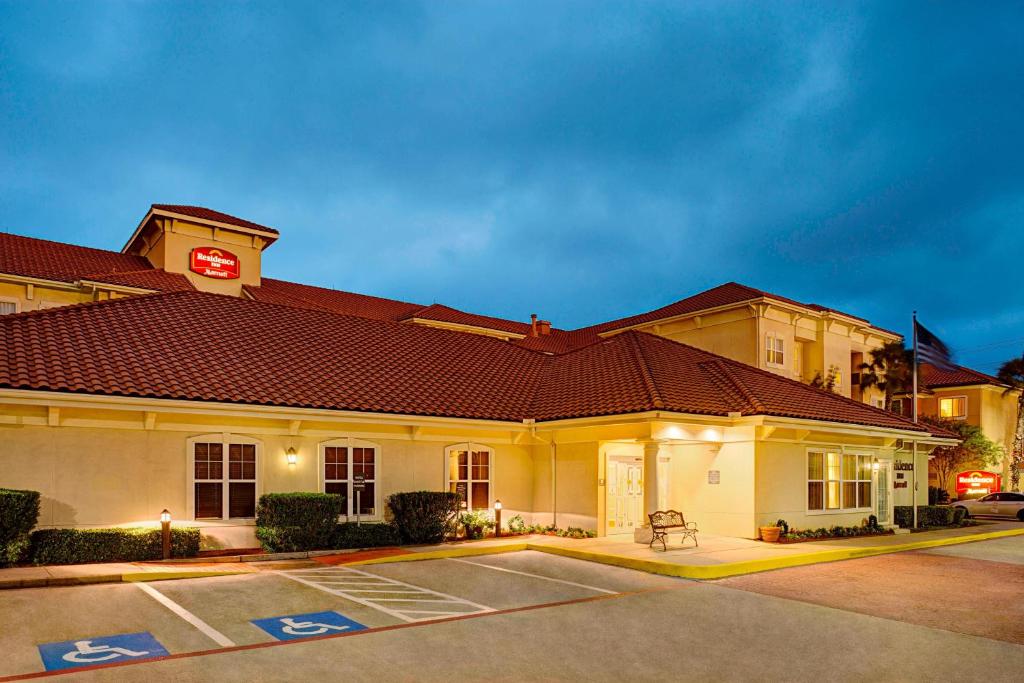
100 650
307 625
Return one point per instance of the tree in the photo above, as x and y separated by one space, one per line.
828 382
974 449
1011 373
891 370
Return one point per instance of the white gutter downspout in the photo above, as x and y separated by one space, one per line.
554 471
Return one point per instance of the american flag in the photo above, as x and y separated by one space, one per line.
931 349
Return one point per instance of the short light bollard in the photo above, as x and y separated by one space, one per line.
165 529
497 518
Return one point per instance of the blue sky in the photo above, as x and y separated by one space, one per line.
580 160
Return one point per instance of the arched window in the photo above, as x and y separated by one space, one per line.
468 467
350 468
223 476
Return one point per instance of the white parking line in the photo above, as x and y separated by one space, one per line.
214 635
337 581
536 576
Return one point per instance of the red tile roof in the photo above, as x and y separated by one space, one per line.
336 301
722 295
155 279
203 213
31 257
442 313
207 347
957 376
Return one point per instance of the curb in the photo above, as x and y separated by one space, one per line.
132 577
701 572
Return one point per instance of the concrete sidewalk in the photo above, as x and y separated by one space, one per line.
112 572
717 556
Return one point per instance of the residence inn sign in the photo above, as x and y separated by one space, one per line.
214 262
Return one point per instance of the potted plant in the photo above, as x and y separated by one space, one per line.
475 522
770 534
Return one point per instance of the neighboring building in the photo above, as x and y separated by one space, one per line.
185 377
979 399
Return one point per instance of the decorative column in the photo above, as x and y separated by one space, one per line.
652 449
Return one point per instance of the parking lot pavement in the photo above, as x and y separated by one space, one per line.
953 591
249 610
703 632
1010 550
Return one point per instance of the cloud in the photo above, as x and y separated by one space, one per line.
583 160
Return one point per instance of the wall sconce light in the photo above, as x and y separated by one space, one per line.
291 456
875 466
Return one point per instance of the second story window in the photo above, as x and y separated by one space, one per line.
8 306
897 406
774 349
954 407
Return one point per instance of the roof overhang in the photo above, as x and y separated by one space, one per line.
267 236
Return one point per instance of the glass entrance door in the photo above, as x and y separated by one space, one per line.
883 493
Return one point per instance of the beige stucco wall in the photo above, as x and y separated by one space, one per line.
781 491
107 477
726 508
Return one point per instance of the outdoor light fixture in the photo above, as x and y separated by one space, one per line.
497 518
165 532
875 466
291 456
497 505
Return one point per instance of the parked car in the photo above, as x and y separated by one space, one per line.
1004 504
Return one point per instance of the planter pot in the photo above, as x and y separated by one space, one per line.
770 534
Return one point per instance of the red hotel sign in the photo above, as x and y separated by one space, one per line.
976 481
213 262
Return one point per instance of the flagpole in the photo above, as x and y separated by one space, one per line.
913 472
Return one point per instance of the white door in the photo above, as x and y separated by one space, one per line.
625 500
883 493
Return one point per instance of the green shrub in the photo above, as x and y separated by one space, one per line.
927 515
19 511
424 516
366 535
292 522
78 546
958 516
937 496
517 525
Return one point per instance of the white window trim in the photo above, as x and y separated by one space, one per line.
471 446
774 337
350 443
11 300
226 439
949 398
824 480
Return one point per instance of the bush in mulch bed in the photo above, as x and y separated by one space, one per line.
820 534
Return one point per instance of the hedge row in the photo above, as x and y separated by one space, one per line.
77 546
19 511
927 515
293 522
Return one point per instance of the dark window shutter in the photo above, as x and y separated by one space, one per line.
242 500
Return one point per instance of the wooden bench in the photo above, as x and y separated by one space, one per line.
665 521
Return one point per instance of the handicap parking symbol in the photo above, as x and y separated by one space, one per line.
101 650
296 626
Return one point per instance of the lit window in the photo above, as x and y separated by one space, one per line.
341 461
469 474
221 492
774 350
954 408
838 481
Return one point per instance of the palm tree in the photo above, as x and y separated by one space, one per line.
1011 373
891 370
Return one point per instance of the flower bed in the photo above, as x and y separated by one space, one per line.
823 534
